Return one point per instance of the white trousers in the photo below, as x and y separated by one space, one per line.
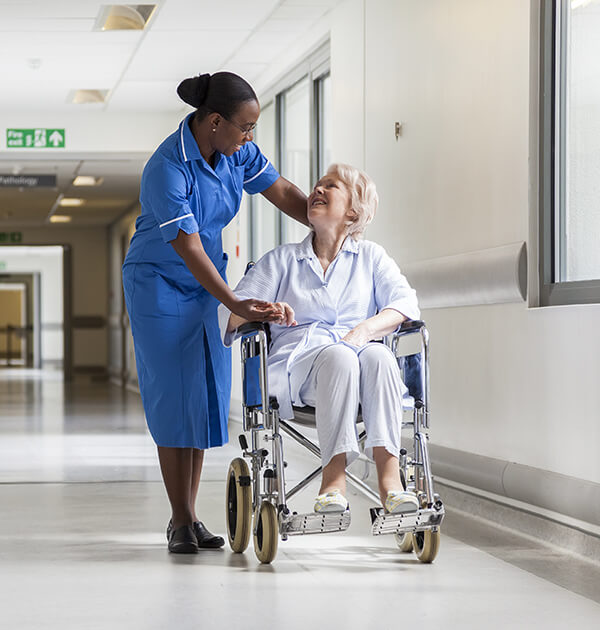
338 381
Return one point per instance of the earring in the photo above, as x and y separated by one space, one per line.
214 129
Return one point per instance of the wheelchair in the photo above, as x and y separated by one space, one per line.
256 495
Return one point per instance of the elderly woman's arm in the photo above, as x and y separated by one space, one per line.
375 327
395 300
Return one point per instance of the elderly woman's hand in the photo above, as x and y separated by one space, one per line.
283 314
358 336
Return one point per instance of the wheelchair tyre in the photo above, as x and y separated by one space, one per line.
426 545
239 506
404 542
266 534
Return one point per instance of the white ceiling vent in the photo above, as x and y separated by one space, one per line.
124 17
85 97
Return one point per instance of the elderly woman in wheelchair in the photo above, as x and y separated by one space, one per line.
335 296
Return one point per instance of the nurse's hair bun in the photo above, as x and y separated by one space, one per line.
222 92
193 91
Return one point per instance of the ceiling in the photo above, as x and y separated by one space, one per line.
48 49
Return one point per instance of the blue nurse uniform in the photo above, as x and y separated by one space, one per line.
184 371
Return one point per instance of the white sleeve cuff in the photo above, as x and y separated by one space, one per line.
223 314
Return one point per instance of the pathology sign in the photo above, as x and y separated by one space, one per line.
27 181
35 138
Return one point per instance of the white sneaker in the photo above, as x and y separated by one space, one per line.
333 501
401 502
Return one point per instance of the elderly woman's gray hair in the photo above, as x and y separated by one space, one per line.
363 196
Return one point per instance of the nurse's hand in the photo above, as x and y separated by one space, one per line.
254 310
284 314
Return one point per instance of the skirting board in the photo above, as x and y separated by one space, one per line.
574 498
526 520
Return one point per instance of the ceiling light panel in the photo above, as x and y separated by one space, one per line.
71 202
60 218
87 180
87 97
124 17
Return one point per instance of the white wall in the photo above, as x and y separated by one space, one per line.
508 381
90 132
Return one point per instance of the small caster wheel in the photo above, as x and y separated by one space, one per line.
267 532
404 542
426 545
238 496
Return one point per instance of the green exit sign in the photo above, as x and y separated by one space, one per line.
35 138
11 237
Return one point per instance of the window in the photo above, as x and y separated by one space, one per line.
264 222
570 152
294 131
295 144
323 107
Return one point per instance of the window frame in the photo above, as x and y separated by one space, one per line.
316 66
552 134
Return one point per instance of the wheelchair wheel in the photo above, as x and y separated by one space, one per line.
404 542
266 536
239 505
426 545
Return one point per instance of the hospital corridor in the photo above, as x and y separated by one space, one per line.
299 308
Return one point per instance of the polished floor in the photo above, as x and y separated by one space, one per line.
82 542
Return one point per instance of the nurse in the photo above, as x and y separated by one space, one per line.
174 279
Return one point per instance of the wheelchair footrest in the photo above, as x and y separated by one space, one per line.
315 523
421 520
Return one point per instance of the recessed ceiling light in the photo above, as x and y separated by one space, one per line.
124 17
60 218
85 97
87 180
71 201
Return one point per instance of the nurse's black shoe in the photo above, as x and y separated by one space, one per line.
206 540
183 540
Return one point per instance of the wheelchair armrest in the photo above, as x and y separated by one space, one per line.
250 327
253 327
409 327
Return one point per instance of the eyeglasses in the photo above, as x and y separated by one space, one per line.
247 131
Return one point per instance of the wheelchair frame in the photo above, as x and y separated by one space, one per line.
262 492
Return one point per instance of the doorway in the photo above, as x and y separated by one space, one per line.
35 298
